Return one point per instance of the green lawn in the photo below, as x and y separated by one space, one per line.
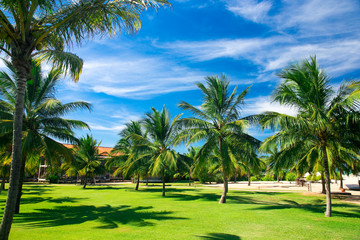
70 212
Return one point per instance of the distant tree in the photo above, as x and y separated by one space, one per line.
132 161
218 123
157 144
86 162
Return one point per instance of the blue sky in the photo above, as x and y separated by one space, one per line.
248 40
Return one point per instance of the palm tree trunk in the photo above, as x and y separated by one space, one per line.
225 190
2 184
137 183
341 180
327 182
23 71
147 179
163 182
235 178
189 178
249 178
277 177
85 182
323 190
21 181
335 177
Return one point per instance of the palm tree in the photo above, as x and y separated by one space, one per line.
190 160
43 124
86 162
131 162
157 145
321 129
218 123
43 29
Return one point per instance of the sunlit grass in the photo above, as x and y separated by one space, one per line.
119 212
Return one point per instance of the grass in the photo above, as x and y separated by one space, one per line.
118 212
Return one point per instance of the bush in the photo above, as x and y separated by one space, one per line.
267 177
254 178
313 177
53 178
290 177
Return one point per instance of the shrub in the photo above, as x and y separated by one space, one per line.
254 178
53 178
267 177
290 177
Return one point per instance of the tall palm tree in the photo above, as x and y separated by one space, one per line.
321 129
87 161
43 124
157 145
131 162
218 123
43 29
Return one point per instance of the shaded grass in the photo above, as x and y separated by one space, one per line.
119 212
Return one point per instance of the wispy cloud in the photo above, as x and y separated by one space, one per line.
253 10
306 17
230 48
137 77
274 53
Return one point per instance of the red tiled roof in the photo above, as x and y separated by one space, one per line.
104 151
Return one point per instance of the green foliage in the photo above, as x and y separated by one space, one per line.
267 177
217 122
43 122
254 178
313 177
86 162
290 177
53 178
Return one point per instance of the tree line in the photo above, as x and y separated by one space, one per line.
322 136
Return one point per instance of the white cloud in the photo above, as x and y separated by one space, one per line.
305 17
250 9
94 126
137 77
262 104
232 48
274 53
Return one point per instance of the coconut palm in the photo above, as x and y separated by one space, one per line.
190 160
218 123
43 124
321 129
131 162
43 29
87 161
157 145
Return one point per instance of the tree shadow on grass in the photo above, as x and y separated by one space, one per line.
110 217
34 200
220 236
167 190
102 187
315 206
36 189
